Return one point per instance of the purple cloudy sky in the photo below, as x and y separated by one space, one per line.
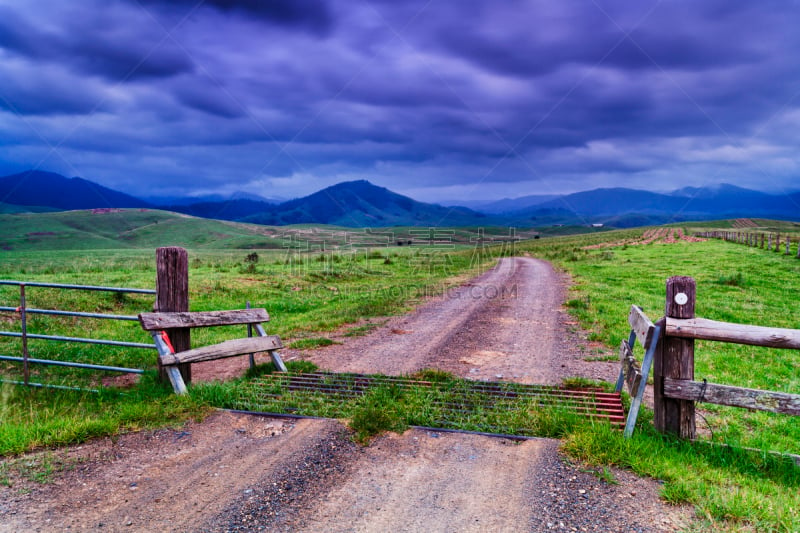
440 100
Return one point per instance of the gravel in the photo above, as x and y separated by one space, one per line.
276 503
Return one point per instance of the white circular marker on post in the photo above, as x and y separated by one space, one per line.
681 298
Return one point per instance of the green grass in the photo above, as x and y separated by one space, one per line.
127 229
734 284
311 343
731 488
36 418
147 228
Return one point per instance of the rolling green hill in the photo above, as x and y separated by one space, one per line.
146 228
126 228
13 208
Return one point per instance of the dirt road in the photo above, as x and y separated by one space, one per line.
242 473
507 322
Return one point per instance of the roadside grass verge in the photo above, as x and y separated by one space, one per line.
311 342
38 418
731 488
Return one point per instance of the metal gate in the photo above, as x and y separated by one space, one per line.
22 311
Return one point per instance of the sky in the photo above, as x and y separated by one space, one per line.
444 101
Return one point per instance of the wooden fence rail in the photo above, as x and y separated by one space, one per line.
773 242
675 391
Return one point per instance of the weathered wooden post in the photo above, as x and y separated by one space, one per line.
172 295
762 241
674 358
788 243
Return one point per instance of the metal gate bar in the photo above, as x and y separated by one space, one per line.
70 313
79 339
74 365
23 311
80 287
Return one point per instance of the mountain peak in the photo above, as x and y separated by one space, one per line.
41 188
356 184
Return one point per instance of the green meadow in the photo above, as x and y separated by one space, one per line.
309 294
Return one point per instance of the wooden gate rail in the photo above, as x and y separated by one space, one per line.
675 390
630 374
169 358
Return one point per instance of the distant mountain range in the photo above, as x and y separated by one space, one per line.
47 189
362 204
209 198
510 205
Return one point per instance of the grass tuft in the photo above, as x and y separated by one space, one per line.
311 343
378 411
736 279
434 375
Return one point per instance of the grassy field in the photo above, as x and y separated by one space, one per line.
309 294
731 487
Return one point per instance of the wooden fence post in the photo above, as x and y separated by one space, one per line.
172 295
674 358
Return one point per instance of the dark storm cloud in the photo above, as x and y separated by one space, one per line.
26 92
203 98
94 44
312 15
413 95
539 37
